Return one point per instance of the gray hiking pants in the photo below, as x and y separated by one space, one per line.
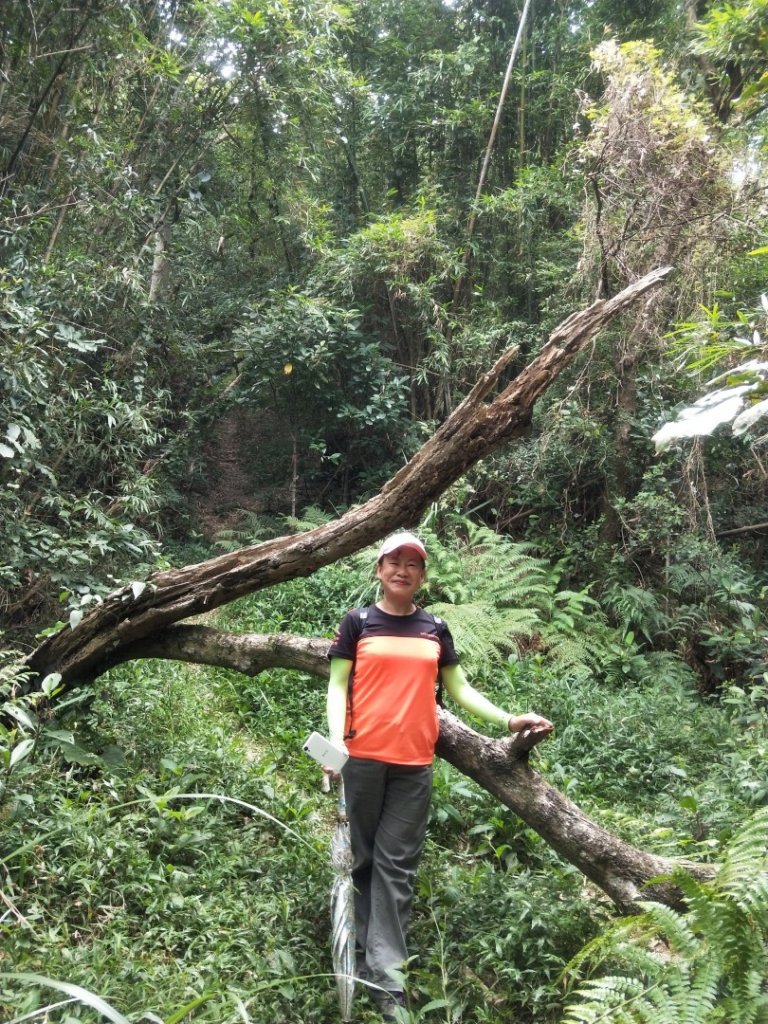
388 807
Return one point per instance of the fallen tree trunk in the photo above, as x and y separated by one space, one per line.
139 621
622 871
473 430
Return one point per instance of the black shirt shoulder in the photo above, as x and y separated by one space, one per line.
373 621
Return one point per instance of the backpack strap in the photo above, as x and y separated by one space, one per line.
359 620
439 693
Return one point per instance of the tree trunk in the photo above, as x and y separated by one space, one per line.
620 480
623 872
158 282
473 430
39 104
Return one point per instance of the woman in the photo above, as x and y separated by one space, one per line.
385 665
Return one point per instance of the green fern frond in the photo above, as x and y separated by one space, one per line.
518 595
249 529
754 900
746 856
519 586
748 1003
471 627
232 540
488 568
624 941
696 997
310 517
713 966
687 620
684 579
637 608
482 632
574 655
612 1000
13 672
659 921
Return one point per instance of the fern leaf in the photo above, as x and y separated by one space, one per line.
698 995
662 921
482 632
748 1002
612 1000
311 517
746 857
715 961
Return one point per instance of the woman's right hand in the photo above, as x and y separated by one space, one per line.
332 774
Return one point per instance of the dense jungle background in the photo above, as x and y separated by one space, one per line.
245 271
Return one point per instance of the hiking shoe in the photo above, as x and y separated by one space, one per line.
387 1003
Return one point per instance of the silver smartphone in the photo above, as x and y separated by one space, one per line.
324 752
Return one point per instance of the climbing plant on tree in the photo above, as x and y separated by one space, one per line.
656 188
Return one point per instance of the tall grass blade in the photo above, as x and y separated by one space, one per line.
81 995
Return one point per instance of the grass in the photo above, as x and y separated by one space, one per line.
152 901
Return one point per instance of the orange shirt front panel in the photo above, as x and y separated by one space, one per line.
393 710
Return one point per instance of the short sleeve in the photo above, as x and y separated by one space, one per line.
448 655
344 644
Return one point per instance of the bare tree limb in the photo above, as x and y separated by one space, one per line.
472 431
624 872
753 528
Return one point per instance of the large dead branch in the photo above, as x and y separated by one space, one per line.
140 621
247 653
622 871
473 431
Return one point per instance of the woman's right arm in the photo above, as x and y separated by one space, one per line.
336 703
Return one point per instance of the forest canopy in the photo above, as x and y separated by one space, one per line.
254 255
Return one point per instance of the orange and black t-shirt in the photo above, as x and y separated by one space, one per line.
391 708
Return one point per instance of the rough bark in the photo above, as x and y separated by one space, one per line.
622 871
472 431
247 653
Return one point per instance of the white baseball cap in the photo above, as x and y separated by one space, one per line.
402 540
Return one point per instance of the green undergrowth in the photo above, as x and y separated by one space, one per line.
173 859
122 881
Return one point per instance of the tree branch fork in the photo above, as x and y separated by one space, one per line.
144 622
473 430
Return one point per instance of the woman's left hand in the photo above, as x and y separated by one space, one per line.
530 720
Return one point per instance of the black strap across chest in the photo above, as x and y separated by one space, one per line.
361 619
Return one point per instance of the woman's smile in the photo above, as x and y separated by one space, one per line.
400 573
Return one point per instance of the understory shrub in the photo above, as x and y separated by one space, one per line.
164 840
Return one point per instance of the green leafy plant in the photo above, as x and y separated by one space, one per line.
294 359
496 595
27 722
738 395
709 964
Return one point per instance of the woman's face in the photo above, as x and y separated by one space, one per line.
401 573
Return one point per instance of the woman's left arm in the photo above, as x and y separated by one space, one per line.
461 690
